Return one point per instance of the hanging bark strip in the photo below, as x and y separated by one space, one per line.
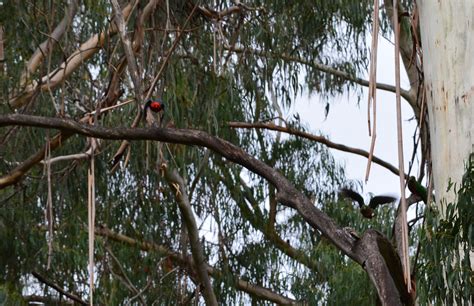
91 218
49 205
403 203
372 86
2 53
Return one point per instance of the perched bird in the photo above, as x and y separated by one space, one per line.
366 210
418 189
156 106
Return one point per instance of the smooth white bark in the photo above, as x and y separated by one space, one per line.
447 37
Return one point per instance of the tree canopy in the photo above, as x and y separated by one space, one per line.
221 200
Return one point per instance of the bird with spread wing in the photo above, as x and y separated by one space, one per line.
368 211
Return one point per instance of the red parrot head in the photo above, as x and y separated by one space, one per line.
156 105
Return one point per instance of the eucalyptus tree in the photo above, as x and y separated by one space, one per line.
226 201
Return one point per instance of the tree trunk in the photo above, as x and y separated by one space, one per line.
447 38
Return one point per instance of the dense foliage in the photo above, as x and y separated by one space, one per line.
213 64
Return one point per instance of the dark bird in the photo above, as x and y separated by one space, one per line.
418 189
366 210
156 106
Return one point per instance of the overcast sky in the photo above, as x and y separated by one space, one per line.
347 124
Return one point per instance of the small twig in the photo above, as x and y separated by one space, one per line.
168 55
202 165
125 277
49 283
110 107
139 293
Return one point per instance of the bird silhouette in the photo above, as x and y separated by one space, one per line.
366 210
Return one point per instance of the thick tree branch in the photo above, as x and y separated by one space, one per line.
384 269
406 94
187 263
320 139
176 182
49 283
57 141
46 47
77 58
287 194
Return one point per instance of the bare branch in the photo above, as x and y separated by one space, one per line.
77 156
176 181
320 139
37 299
49 283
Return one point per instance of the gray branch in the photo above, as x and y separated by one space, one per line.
176 182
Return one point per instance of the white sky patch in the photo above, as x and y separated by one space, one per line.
347 124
